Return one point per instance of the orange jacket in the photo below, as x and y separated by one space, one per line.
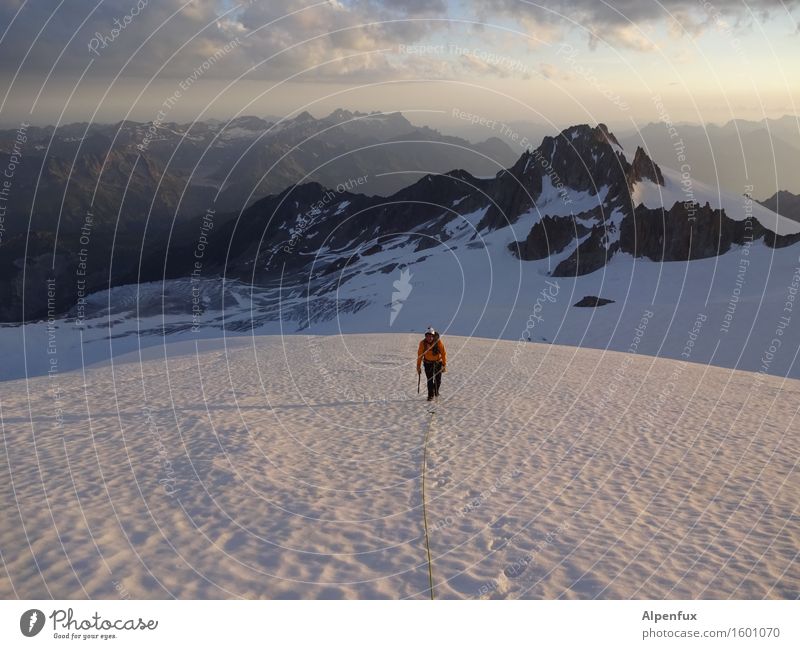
424 351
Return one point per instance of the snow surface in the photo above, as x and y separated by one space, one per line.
736 207
471 286
563 201
291 467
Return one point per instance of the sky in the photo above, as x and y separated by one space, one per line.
620 62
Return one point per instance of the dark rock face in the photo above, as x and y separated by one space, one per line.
549 236
339 264
374 249
644 168
592 301
580 158
591 255
584 158
595 214
38 288
514 192
684 232
780 241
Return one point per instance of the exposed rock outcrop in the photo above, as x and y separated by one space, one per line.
591 255
592 301
685 231
643 168
549 236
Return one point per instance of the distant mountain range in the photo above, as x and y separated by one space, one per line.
575 202
583 198
116 191
171 169
741 156
784 203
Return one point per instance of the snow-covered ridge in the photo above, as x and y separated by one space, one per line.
474 287
679 188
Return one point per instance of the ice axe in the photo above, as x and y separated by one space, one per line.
419 377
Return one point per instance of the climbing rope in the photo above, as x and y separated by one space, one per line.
425 504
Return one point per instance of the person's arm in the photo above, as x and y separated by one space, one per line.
420 351
444 354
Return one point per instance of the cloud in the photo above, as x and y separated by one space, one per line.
683 23
490 63
625 23
140 36
626 36
325 40
553 72
156 28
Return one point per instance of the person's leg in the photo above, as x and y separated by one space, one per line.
430 378
438 382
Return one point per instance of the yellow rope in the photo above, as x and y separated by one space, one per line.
424 504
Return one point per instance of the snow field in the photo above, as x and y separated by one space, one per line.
290 467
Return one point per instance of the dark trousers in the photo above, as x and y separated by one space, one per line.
433 372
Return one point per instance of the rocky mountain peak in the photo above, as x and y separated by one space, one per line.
248 122
303 117
644 168
602 131
582 158
587 136
784 203
340 115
